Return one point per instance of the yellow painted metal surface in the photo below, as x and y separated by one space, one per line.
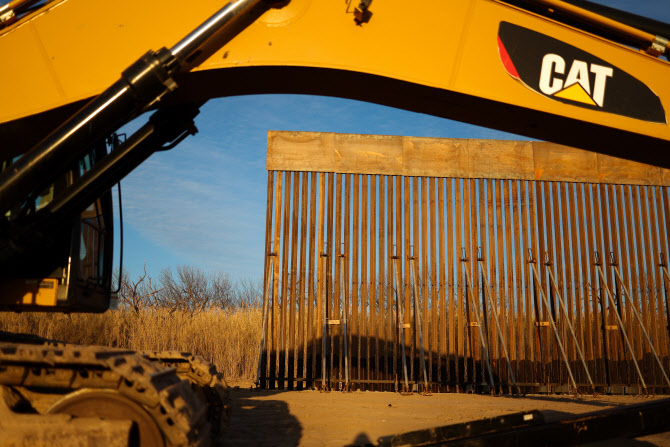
72 49
29 292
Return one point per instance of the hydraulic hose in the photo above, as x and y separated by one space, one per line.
141 85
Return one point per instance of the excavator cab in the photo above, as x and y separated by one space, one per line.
54 262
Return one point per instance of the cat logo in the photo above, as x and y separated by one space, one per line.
577 85
573 76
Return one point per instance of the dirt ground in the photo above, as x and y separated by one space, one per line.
311 418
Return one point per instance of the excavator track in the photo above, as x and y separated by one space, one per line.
78 377
209 384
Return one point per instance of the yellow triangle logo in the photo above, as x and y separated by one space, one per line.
576 93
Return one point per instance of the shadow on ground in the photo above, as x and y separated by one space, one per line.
362 440
263 418
261 422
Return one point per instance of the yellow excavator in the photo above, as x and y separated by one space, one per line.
75 71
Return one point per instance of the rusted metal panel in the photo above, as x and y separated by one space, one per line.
489 238
476 369
330 253
346 251
634 261
424 286
555 265
385 246
585 268
568 249
391 322
414 256
433 327
285 285
578 273
337 345
625 253
662 288
355 247
276 316
292 357
459 291
301 367
517 354
321 274
643 295
527 353
268 252
442 327
507 319
364 346
405 278
541 311
311 281
613 247
452 366
374 332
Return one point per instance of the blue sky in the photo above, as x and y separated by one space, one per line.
203 203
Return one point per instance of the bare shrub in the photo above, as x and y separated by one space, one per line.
249 293
139 293
190 291
223 291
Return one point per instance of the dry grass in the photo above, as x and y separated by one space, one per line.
228 338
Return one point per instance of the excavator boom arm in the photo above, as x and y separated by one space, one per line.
481 61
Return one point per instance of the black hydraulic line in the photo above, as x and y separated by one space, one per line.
163 127
642 23
114 141
141 85
118 287
648 25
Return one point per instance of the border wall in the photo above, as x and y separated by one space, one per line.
453 265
